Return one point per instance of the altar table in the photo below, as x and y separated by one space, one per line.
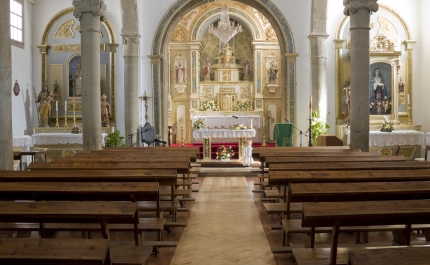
205 135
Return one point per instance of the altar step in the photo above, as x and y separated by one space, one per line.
218 163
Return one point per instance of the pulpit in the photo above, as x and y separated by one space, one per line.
283 134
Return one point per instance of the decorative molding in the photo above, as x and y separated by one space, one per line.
380 45
96 7
65 31
352 6
319 17
72 47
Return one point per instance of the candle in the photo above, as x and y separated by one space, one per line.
409 99
251 123
56 106
65 106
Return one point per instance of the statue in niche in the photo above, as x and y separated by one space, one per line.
43 94
227 53
273 71
207 69
180 73
401 86
246 70
347 101
105 111
78 80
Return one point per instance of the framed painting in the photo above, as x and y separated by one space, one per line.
380 88
74 75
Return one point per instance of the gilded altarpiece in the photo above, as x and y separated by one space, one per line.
245 80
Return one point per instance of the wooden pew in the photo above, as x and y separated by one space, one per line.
67 251
181 167
418 255
340 158
348 166
336 214
102 213
141 155
286 178
113 159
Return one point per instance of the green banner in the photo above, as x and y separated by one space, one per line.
283 134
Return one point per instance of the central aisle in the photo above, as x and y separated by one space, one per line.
224 227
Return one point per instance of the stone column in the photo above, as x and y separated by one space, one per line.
6 146
318 56
359 12
90 13
131 84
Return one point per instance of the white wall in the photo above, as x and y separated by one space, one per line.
423 98
44 11
22 105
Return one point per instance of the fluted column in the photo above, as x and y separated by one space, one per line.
6 154
90 13
359 12
318 56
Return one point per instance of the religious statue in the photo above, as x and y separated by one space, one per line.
207 69
378 89
347 101
227 53
105 111
246 70
45 110
78 81
43 94
273 71
180 73
401 86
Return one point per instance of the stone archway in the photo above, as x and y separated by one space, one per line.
160 49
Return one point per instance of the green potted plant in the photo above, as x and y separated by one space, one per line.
318 127
114 139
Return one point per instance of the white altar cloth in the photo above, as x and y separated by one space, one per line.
222 133
428 138
213 122
24 141
60 138
377 138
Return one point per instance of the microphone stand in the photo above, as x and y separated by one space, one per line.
310 132
301 133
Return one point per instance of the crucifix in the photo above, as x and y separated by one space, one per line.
145 98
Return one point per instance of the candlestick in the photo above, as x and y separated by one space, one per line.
56 105
74 112
65 119
310 106
251 123
65 106
56 118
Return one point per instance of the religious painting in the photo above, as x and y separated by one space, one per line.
380 88
74 75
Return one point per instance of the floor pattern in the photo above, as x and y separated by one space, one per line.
222 227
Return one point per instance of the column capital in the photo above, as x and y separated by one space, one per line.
43 48
338 43
130 37
112 47
410 44
352 6
96 7
155 59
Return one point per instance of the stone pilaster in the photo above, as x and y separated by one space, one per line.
90 13
131 84
6 154
339 86
290 98
410 44
359 12
158 98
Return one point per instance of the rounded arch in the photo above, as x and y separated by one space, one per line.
345 19
66 11
160 50
212 16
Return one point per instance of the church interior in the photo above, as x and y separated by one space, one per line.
210 115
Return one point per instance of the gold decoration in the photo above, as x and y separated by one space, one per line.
380 44
387 27
72 47
78 28
65 30
207 92
271 34
187 17
179 35
69 153
226 75
260 16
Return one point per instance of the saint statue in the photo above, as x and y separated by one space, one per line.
180 73
347 101
105 111
246 70
273 71
43 94
401 86
78 81
45 110
227 53
207 69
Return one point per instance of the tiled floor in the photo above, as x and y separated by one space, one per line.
223 227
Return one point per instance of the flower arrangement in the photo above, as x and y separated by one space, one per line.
244 105
114 139
199 124
76 130
224 153
318 127
387 125
209 105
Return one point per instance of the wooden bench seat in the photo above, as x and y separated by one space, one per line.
54 251
281 208
125 253
399 256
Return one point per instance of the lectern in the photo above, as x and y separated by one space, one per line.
283 134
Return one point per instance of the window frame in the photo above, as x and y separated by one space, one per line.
19 44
